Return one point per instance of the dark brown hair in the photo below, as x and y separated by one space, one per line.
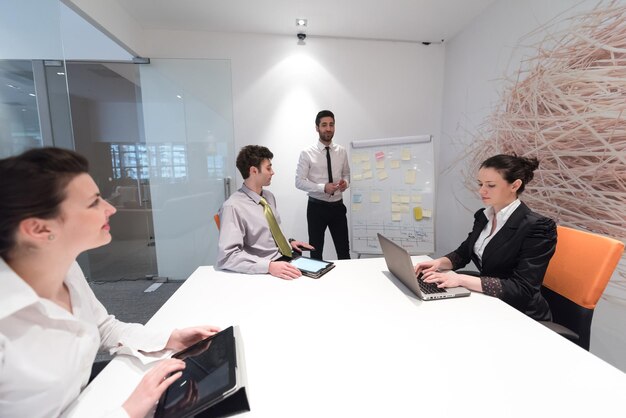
252 156
323 114
512 167
32 185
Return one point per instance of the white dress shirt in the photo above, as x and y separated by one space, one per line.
246 244
46 352
501 218
312 171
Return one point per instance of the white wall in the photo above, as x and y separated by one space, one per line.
477 59
376 89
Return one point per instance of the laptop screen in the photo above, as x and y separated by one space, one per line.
209 373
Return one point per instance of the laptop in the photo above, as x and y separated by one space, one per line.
214 377
400 265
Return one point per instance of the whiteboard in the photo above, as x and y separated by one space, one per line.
392 192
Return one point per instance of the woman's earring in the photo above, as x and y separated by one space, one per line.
50 237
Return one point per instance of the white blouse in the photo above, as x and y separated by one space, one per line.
46 352
501 217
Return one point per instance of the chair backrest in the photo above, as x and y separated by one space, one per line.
582 265
216 218
577 275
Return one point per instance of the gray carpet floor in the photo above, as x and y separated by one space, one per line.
129 303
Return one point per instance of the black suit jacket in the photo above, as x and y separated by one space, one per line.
517 256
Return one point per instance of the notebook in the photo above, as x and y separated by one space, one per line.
213 381
400 265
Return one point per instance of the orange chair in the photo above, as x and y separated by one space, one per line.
216 218
577 275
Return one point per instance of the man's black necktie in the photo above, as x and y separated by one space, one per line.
330 169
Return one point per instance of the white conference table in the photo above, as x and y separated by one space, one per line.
357 343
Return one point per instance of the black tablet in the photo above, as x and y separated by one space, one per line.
311 267
210 375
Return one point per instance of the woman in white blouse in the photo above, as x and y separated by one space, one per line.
509 244
51 324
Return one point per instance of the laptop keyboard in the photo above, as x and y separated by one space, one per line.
429 288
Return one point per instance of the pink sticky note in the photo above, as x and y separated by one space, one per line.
379 155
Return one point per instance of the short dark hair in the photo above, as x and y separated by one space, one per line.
252 156
323 114
512 167
32 185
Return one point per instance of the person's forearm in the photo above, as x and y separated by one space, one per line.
471 282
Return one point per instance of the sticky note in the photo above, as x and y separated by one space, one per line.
379 155
356 158
417 213
380 164
374 197
382 174
409 176
357 198
427 213
395 198
396 207
406 154
395 163
404 208
366 166
405 199
356 207
416 198
367 174
357 177
396 217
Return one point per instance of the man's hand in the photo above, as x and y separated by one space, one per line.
284 270
343 185
300 246
331 188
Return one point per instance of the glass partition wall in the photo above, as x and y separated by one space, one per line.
158 136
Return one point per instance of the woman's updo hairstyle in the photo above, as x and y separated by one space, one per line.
32 185
512 167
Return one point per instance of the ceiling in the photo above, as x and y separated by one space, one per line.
401 20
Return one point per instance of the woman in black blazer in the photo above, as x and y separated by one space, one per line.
510 244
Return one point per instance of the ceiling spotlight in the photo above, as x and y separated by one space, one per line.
32 94
301 23
60 73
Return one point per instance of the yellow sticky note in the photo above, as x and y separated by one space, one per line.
356 207
396 207
357 177
356 158
417 213
395 198
395 163
409 176
405 199
382 174
380 164
374 197
367 174
416 198
427 213
366 166
406 154
396 217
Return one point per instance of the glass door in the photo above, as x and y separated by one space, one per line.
188 127
159 138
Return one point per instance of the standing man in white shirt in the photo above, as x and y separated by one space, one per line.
323 172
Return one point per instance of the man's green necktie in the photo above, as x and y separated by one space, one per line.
283 245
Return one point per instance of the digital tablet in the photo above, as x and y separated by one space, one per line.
211 374
311 267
